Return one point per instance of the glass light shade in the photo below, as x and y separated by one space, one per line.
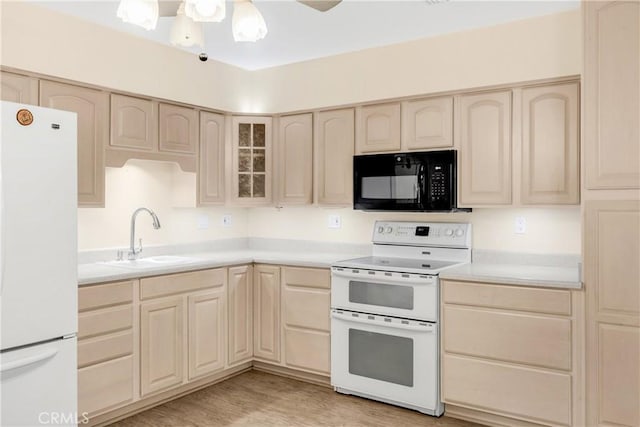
143 13
205 10
185 32
248 24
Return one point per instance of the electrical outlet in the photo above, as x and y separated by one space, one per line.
203 222
334 221
227 220
521 225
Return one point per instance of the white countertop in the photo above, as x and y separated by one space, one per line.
517 274
100 272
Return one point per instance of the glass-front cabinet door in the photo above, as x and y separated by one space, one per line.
252 151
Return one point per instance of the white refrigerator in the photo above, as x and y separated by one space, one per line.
38 279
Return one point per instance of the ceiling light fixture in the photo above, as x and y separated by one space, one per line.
248 24
205 10
185 32
143 13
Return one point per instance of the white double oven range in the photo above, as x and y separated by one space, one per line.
385 314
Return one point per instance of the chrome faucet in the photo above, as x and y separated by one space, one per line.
133 252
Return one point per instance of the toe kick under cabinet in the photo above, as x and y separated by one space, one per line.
511 354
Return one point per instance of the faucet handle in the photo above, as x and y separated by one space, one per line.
139 247
120 255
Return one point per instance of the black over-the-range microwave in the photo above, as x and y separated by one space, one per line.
419 182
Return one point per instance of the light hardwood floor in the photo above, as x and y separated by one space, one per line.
260 399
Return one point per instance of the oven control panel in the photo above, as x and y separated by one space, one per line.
446 234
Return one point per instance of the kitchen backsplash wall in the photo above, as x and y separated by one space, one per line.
170 192
550 231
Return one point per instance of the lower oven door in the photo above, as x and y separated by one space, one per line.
387 359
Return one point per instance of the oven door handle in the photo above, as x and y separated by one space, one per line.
347 318
378 277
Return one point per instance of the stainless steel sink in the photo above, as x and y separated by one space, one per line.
153 261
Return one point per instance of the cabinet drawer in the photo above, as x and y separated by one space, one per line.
105 386
522 392
552 301
104 347
92 297
307 277
513 337
179 283
309 350
105 321
306 308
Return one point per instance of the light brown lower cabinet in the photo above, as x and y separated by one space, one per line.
513 352
181 335
240 346
266 316
106 346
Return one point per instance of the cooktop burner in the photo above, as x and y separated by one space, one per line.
401 265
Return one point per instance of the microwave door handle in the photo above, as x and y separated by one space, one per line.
348 318
421 188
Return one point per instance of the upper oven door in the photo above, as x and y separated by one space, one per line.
421 181
410 296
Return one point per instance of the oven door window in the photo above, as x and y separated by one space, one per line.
382 357
394 296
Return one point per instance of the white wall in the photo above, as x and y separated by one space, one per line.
536 48
163 188
548 230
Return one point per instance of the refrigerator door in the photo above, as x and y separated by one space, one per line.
38 236
39 385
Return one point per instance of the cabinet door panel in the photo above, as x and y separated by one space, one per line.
17 88
485 149
178 129
105 386
378 128
161 344
333 160
240 314
251 161
306 308
550 160
538 395
134 123
207 331
307 350
92 107
295 159
612 94
211 172
427 123
266 321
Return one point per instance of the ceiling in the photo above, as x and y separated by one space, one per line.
299 33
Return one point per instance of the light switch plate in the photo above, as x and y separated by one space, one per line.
520 225
334 221
227 220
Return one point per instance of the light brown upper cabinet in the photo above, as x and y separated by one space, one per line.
134 123
178 129
18 88
484 129
211 169
251 161
333 157
295 160
427 123
92 108
612 91
145 129
266 316
550 156
378 128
